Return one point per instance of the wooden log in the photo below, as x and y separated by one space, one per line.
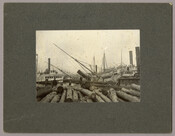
91 88
93 96
84 91
56 98
38 99
75 96
89 100
106 99
39 86
107 75
121 100
83 75
99 99
135 87
69 95
105 91
54 88
127 97
112 95
80 96
63 96
42 92
132 92
49 97
60 89
83 101
85 85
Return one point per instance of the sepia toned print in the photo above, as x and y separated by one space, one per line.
87 66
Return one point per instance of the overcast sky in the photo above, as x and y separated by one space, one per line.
83 45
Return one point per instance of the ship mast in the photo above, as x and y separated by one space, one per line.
94 65
104 62
121 58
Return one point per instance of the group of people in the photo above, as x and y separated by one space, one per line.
54 82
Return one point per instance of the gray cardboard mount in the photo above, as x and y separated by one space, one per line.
22 114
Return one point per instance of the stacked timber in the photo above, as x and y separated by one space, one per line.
105 98
129 94
42 92
49 97
75 93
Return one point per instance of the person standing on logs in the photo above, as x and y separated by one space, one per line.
54 83
46 82
70 83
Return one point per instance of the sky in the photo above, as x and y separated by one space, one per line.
84 45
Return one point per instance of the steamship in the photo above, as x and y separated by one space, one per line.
49 75
122 74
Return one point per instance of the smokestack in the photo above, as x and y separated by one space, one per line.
49 65
96 68
131 58
138 58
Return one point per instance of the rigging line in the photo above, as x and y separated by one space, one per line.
84 69
59 69
77 66
89 64
74 59
72 63
85 62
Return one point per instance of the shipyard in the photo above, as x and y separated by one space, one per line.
91 82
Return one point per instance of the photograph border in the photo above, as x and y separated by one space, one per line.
34 115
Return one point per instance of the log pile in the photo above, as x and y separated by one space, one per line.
75 93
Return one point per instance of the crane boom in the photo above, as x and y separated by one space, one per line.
75 59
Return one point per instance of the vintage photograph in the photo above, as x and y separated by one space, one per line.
87 66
